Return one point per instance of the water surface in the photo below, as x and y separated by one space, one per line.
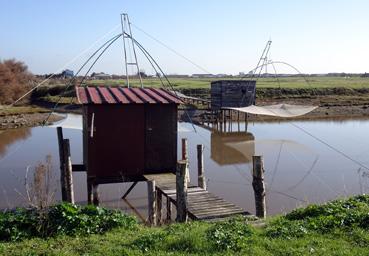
299 169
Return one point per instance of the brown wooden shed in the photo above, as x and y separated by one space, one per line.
128 132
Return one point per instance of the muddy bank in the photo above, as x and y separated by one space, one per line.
27 120
334 103
276 93
322 112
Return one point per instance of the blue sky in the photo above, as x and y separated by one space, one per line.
220 36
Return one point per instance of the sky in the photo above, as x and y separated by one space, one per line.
219 36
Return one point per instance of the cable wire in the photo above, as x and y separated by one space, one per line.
171 49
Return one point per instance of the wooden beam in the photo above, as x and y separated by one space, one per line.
129 189
78 168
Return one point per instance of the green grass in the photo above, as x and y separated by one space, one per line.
339 227
287 82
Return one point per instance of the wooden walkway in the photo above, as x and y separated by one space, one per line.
201 204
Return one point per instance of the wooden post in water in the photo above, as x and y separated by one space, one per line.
181 189
185 156
200 167
259 186
151 195
62 163
184 149
159 203
68 176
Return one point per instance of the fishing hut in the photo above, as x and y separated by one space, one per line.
231 94
127 133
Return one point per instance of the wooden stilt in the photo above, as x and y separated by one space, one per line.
90 196
159 203
95 192
200 167
224 121
169 210
259 186
246 122
151 195
181 189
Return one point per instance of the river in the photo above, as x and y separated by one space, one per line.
300 165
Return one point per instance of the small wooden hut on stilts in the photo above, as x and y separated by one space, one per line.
127 133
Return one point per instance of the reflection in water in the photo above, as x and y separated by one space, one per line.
11 136
222 151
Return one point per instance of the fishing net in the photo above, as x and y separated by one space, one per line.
280 110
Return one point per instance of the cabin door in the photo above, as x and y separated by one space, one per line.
161 138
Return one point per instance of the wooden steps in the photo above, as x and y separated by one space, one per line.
201 204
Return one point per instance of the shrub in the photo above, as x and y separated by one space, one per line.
15 80
149 241
61 219
337 214
283 228
231 234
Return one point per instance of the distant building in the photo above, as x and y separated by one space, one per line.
177 76
221 75
203 76
101 76
67 73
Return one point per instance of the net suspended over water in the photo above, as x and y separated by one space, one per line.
280 110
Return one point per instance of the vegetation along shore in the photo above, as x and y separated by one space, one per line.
339 227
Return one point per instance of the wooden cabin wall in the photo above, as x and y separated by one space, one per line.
117 145
129 140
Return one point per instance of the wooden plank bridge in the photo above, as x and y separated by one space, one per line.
201 204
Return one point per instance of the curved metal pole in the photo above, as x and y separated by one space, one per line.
112 40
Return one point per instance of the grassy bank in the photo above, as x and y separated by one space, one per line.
18 110
339 227
285 82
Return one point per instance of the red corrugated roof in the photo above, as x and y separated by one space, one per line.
120 95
